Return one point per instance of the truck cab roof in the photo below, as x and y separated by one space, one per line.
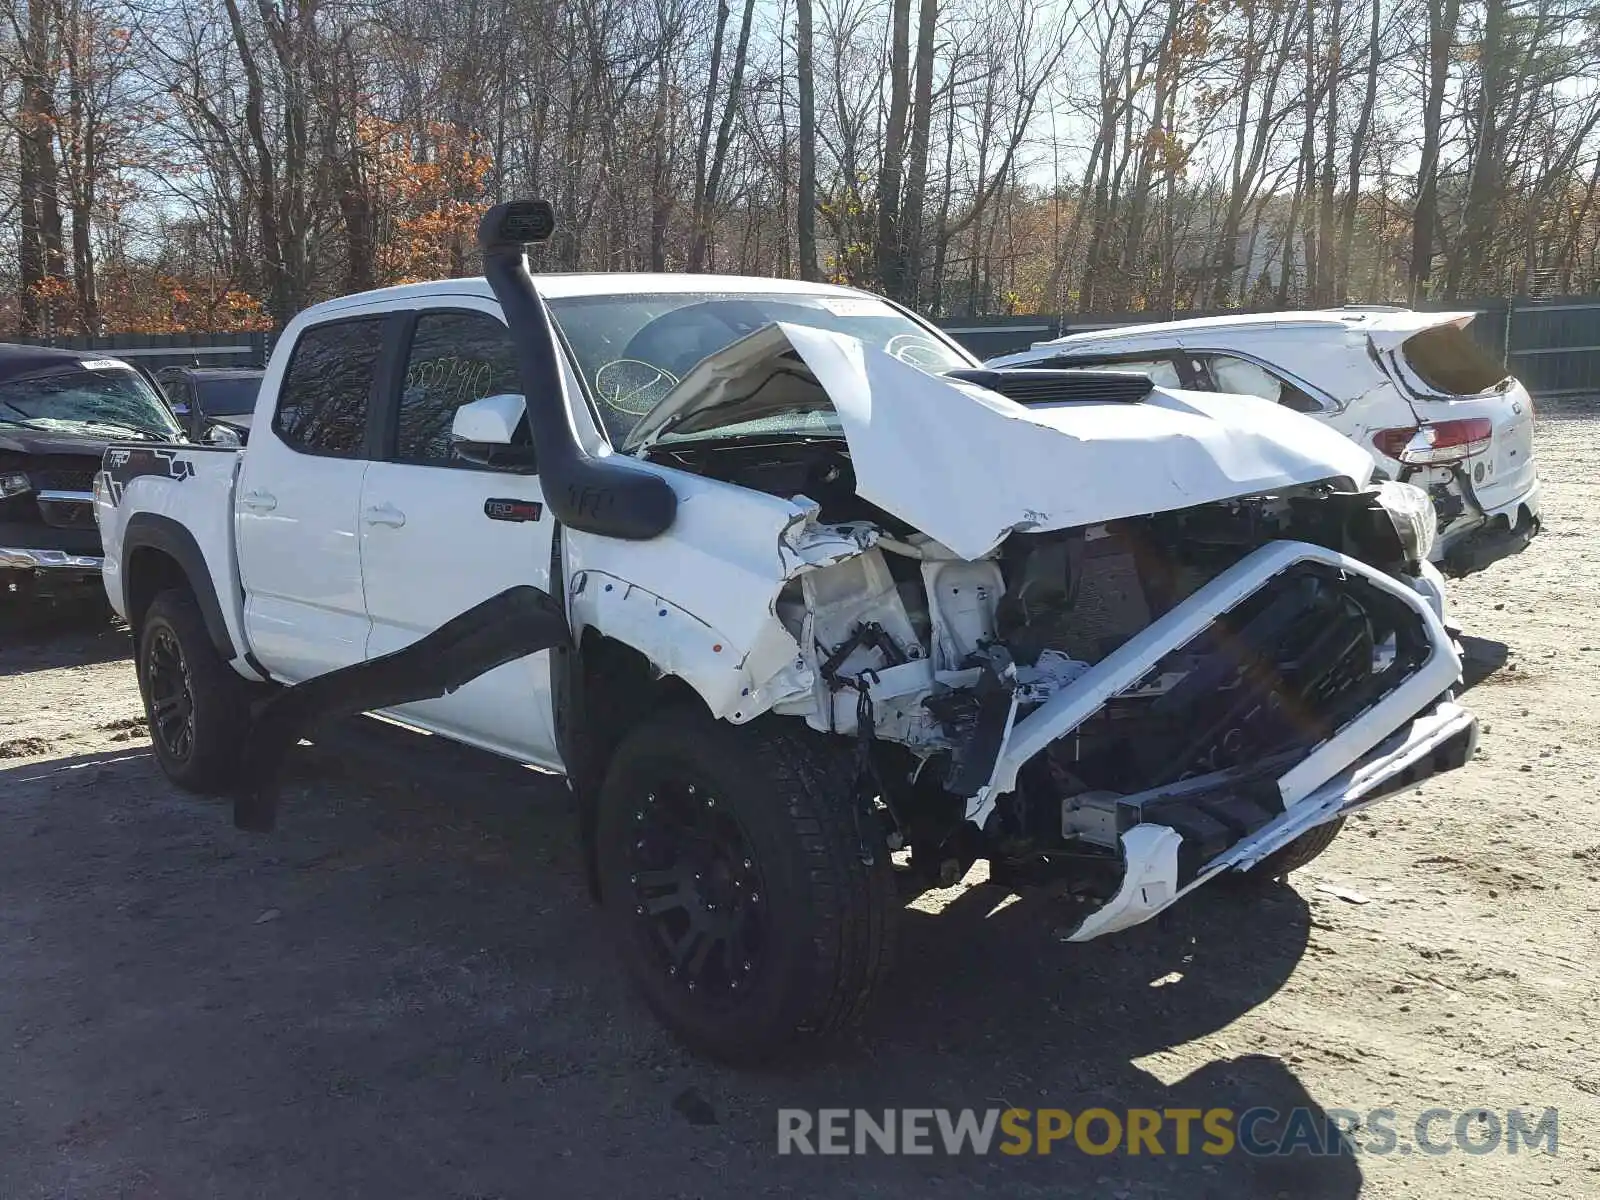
27 362
560 284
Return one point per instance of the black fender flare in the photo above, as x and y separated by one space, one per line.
152 531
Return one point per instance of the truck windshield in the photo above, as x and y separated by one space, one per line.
111 403
632 349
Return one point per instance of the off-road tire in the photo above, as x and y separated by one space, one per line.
218 697
829 916
1292 857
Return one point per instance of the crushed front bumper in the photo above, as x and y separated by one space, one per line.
1440 740
1176 835
1134 659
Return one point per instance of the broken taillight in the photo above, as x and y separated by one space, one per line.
1438 442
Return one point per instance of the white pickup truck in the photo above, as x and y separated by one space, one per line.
803 603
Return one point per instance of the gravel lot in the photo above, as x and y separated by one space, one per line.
403 992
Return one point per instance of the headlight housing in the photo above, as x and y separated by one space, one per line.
1411 512
14 483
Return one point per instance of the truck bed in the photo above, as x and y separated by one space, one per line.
178 499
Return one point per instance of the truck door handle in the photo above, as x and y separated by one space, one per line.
384 514
259 501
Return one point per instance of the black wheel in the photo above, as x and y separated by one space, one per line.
197 705
1292 857
731 871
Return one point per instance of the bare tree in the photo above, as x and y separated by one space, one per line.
1442 18
806 85
237 159
709 177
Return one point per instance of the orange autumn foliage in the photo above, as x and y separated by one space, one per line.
425 189
157 303
430 191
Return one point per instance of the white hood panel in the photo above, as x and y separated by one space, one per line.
967 466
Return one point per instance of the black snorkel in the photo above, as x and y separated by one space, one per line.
603 493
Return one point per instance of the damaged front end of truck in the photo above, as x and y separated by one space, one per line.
1112 639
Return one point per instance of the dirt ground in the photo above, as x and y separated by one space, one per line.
404 992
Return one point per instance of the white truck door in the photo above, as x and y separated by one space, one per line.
299 496
440 534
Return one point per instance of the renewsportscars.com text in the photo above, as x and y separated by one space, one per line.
1213 1132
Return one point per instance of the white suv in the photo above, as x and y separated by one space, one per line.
1412 387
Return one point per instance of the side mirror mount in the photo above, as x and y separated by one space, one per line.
223 435
483 432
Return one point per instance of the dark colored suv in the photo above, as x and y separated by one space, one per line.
205 397
59 410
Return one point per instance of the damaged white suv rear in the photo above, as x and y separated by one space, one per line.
785 585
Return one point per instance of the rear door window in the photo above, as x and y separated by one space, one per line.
327 390
1241 376
1451 363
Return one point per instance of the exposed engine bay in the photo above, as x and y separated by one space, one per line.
932 662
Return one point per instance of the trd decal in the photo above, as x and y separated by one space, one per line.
125 464
513 510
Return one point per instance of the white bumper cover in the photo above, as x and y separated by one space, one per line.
1357 761
1150 883
1532 500
1132 661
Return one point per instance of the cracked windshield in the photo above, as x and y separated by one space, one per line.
116 402
633 349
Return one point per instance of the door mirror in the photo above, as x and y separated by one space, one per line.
223 435
491 421
484 431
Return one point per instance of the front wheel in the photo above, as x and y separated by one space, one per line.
731 868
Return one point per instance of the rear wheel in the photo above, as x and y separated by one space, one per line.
196 704
731 871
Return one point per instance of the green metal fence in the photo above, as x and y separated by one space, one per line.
1553 346
154 350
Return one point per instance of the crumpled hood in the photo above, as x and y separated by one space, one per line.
968 467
